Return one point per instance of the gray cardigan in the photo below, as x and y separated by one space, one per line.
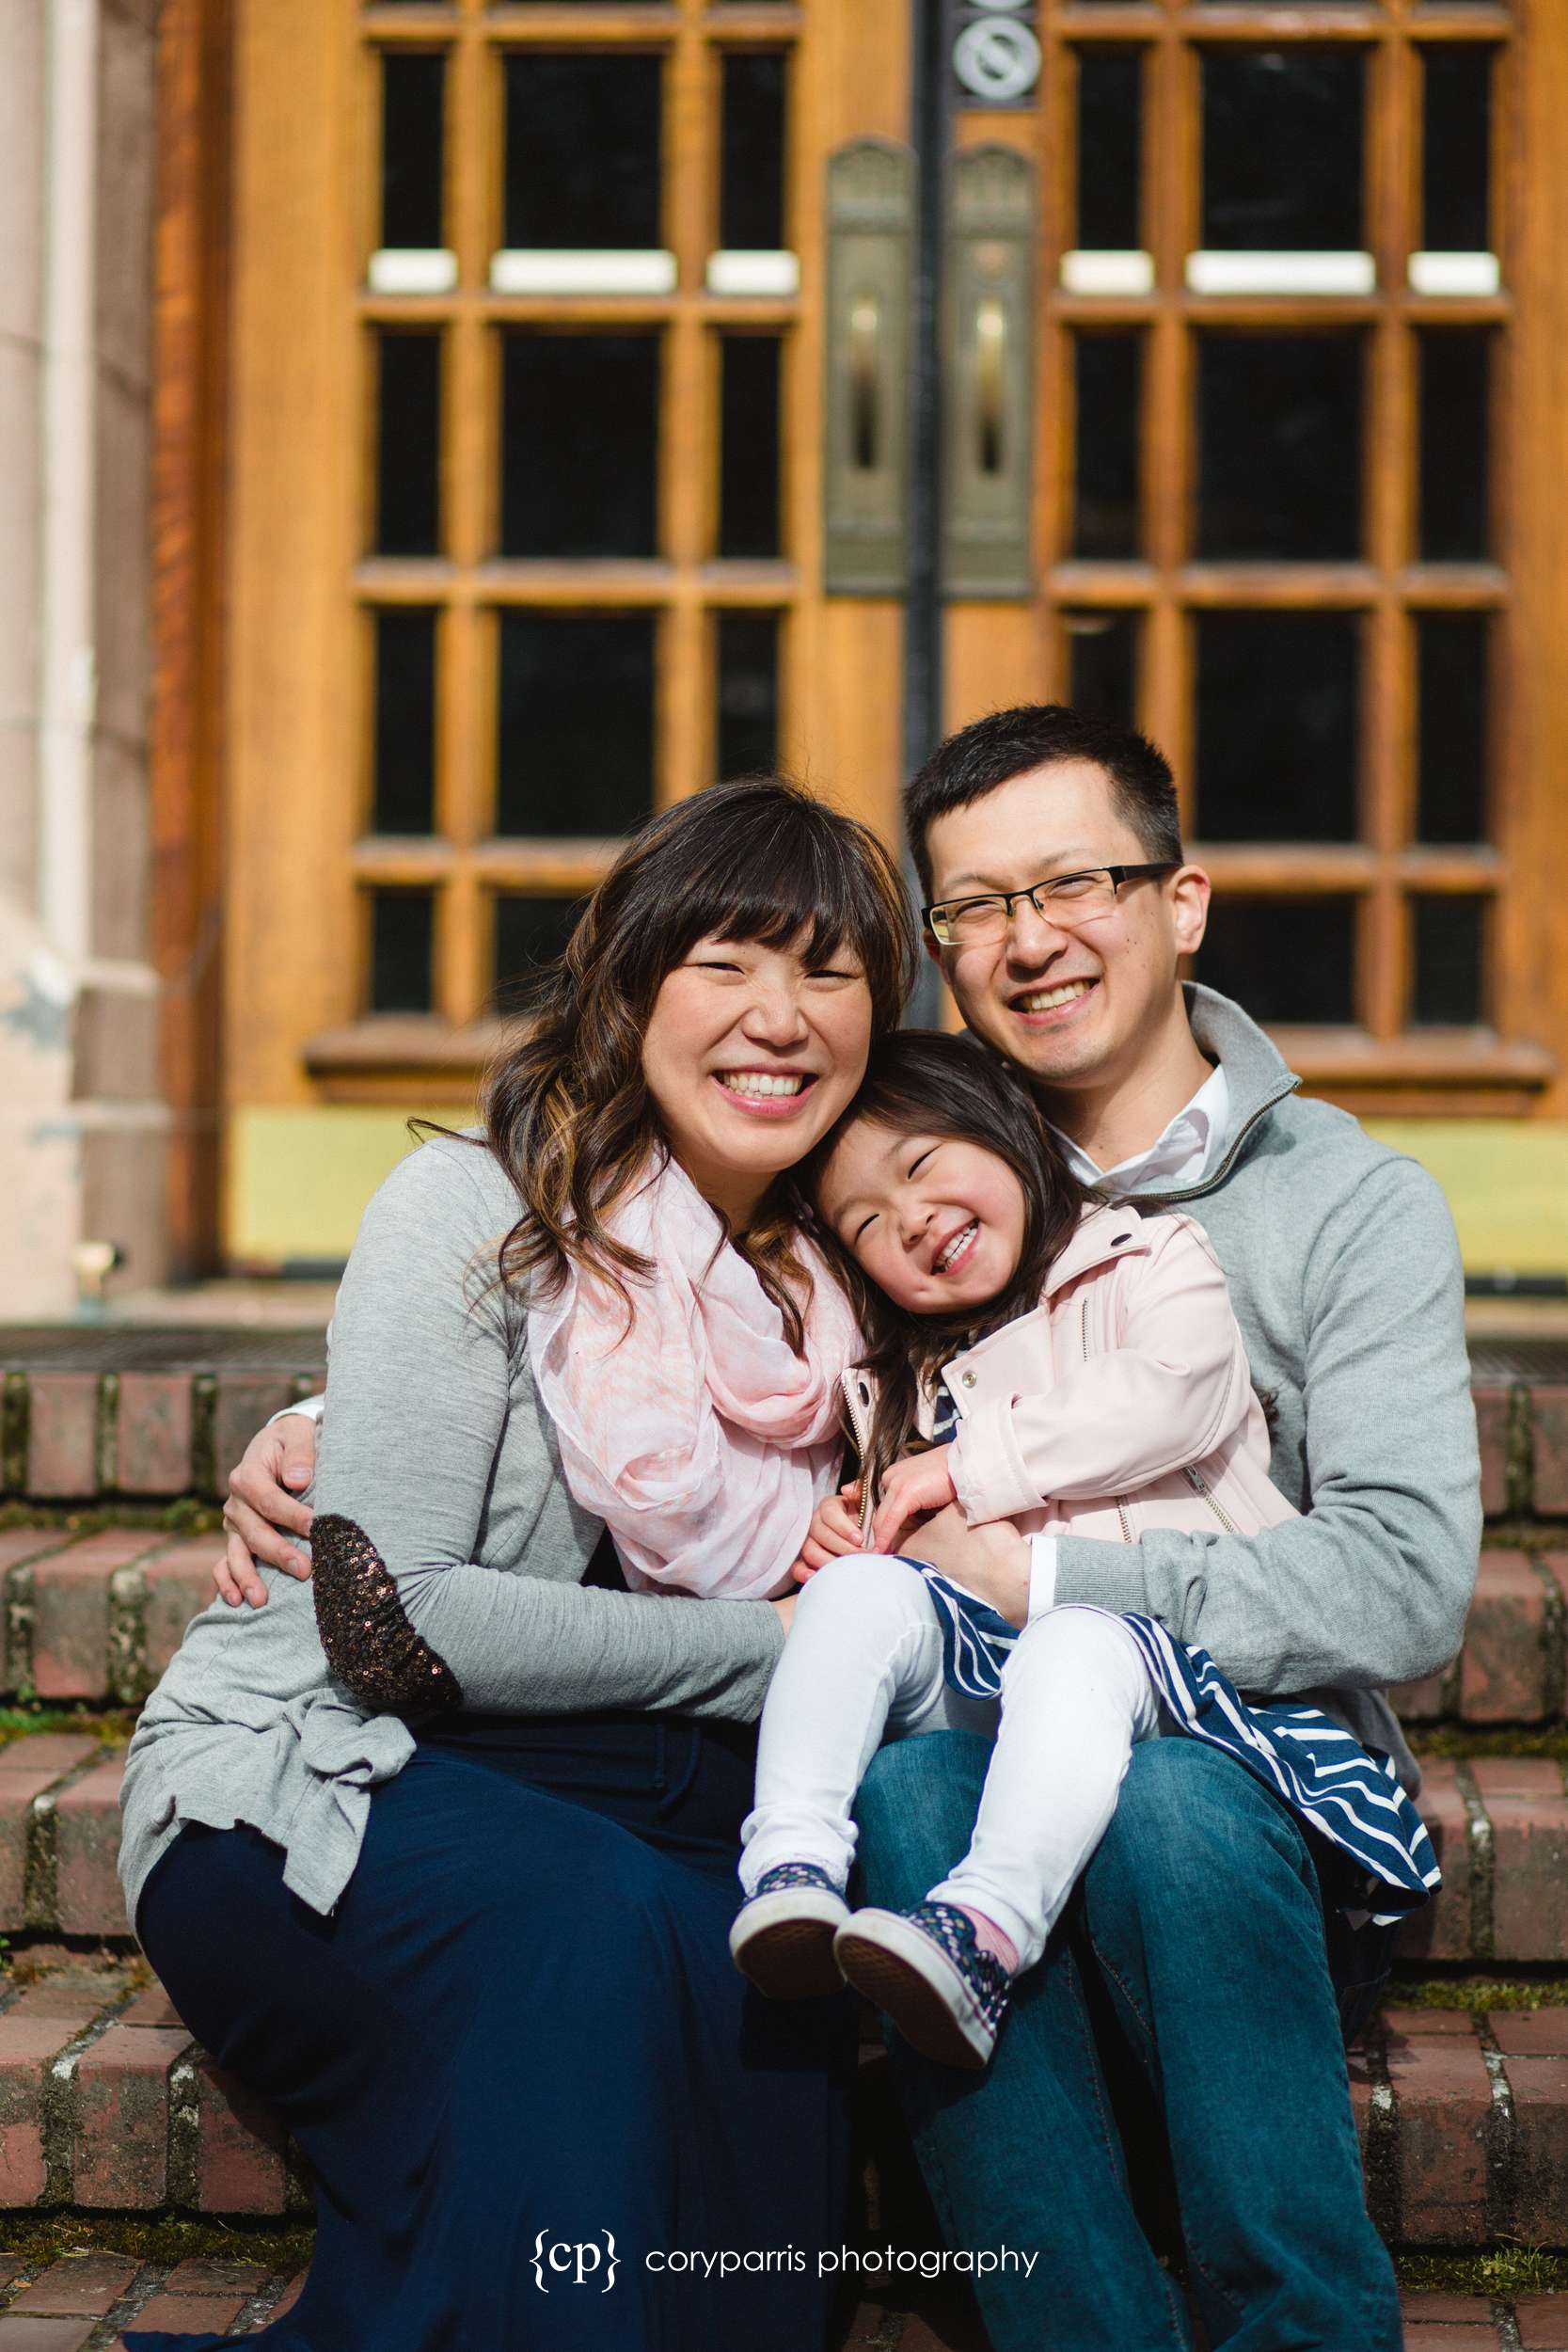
434 1445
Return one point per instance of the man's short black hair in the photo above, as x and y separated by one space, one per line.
1007 743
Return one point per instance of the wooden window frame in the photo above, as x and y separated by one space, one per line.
1510 1064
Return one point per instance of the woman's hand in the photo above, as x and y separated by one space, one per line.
835 1529
259 1508
920 1483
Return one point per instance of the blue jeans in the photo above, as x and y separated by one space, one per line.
1201 1918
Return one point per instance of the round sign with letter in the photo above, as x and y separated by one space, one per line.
997 59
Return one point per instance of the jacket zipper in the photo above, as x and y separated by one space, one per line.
1200 1485
1217 1175
1121 1508
860 1422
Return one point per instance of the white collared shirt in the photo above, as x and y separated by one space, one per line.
1182 1154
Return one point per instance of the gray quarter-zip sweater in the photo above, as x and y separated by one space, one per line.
1345 1275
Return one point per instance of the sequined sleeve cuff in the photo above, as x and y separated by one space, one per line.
369 1644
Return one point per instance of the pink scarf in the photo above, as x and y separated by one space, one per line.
697 1436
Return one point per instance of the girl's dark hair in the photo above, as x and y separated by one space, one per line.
921 1082
565 1107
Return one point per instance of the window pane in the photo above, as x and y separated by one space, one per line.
1110 127
1277 697
1102 652
582 151
404 757
1455 375
1451 950
1456 146
577 723
751 183
1450 666
748 445
529 933
1286 960
748 729
1105 514
579 437
403 929
1282 149
412 148
1279 424
409 445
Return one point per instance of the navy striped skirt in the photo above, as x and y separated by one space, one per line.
1373 1849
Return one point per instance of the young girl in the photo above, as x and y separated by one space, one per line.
1064 1366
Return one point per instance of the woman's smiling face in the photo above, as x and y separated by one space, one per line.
750 1054
936 1222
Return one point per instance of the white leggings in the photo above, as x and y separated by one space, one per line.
863 1662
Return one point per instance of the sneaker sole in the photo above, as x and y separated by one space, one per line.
903 1972
788 1953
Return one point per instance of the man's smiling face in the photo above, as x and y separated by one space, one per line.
1077 1008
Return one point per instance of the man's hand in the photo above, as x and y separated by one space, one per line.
920 1483
835 1529
259 1505
992 1562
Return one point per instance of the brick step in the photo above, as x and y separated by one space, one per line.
79 1435
98 1617
1499 1825
84 2303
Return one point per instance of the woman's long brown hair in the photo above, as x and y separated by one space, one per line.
923 1083
565 1107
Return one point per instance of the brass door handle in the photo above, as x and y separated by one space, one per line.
991 377
865 336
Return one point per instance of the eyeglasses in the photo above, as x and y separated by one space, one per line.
1065 900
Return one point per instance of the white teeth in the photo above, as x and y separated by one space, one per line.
760 1082
959 1240
1045 998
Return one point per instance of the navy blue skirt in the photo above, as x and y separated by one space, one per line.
532 2090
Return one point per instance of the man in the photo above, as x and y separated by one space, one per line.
1200 1942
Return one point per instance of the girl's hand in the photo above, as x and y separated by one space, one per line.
835 1529
921 1483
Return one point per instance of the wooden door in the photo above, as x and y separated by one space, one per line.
525 515
1300 360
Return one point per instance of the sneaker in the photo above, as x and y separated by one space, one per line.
782 1935
926 1969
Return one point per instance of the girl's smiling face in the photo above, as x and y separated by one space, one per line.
935 1222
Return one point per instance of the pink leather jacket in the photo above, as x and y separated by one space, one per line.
1123 1402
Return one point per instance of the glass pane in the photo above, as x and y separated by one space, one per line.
1110 149
579 440
409 445
1450 989
748 445
1105 506
1103 655
582 151
402 929
412 148
1287 960
1456 146
1455 376
748 714
405 754
1282 149
1450 669
752 183
577 723
1277 699
1279 431
528 933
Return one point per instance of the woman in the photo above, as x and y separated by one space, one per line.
436 1852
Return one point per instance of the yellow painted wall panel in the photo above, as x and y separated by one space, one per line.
299 1179
1507 1181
